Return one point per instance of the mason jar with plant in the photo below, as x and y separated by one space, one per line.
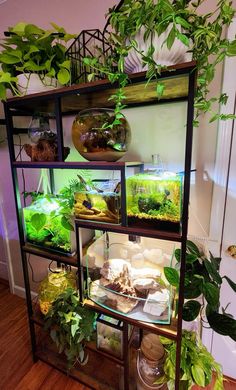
31 50
181 21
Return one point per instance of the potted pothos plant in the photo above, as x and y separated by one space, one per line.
181 21
33 52
202 286
197 365
71 325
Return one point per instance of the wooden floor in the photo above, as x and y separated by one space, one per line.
17 370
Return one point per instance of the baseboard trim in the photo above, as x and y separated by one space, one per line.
5 282
20 292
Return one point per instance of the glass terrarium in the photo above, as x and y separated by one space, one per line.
100 203
99 136
47 227
110 335
125 274
55 283
154 200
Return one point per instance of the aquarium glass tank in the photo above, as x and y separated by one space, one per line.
100 202
125 274
47 226
154 200
110 335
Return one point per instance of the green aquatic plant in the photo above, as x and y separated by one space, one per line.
197 365
149 196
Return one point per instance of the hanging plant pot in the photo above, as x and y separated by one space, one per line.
162 55
29 83
97 138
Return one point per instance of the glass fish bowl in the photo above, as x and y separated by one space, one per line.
46 227
127 277
52 286
154 200
96 137
100 203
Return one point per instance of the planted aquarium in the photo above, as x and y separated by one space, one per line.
154 200
48 226
100 202
125 274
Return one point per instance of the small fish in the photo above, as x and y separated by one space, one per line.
87 204
167 192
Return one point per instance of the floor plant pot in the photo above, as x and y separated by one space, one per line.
29 83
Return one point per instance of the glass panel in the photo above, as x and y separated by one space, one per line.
125 274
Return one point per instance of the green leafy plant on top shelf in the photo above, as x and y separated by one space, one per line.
202 34
71 325
197 365
202 287
28 49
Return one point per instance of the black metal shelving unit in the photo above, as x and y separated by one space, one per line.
180 85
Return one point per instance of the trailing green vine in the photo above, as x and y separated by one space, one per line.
203 35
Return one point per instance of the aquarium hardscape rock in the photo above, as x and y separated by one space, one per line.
154 200
137 293
47 226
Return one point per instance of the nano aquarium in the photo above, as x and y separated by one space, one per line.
110 337
125 274
100 202
154 200
47 226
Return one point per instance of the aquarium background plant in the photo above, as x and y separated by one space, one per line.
153 197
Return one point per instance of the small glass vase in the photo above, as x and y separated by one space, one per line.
96 139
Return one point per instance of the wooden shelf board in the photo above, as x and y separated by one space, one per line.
47 254
99 165
163 235
169 331
96 94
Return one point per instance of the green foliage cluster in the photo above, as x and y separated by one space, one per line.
203 280
71 324
31 49
197 365
152 197
203 35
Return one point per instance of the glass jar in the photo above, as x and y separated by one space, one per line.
150 363
55 283
96 139
39 129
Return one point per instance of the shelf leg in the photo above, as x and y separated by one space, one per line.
126 356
